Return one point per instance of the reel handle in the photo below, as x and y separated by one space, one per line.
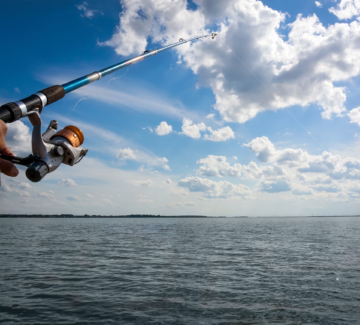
19 160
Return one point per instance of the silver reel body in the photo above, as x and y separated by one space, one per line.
50 151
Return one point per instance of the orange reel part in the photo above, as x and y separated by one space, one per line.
73 134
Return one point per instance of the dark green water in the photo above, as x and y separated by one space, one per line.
180 271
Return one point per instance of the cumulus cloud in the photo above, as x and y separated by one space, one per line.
163 160
192 130
318 4
160 19
275 187
354 116
67 182
251 67
18 138
166 167
346 9
217 166
163 129
279 170
266 152
222 134
253 171
126 154
327 163
213 189
86 12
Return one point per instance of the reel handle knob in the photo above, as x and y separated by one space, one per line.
37 171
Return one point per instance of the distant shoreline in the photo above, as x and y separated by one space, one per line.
94 216
138 216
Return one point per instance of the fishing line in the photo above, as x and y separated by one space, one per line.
77 103
116 78
308 132
105 88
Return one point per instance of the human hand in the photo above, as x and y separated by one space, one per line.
6 167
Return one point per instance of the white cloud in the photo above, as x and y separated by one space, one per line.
192 130
222 134
86 12
141 19
318 4
149 128
67 182
275 187
217 166
266 152
163 160
281 170
18 138
354 115
298 160
126 154
166 167
213 189
346 9
250 67
163 129
46 195
142 183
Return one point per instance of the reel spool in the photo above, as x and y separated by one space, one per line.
73 134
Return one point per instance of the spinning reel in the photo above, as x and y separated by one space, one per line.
51 149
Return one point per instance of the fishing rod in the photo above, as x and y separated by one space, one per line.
53 147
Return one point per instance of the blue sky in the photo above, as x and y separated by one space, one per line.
264 120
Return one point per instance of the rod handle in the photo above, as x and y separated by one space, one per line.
7 114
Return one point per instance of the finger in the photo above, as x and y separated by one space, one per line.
3 130
8 168
7 151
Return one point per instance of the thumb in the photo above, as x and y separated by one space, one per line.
8 168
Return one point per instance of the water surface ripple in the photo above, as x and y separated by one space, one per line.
180 271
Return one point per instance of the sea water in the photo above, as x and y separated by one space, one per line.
180 271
